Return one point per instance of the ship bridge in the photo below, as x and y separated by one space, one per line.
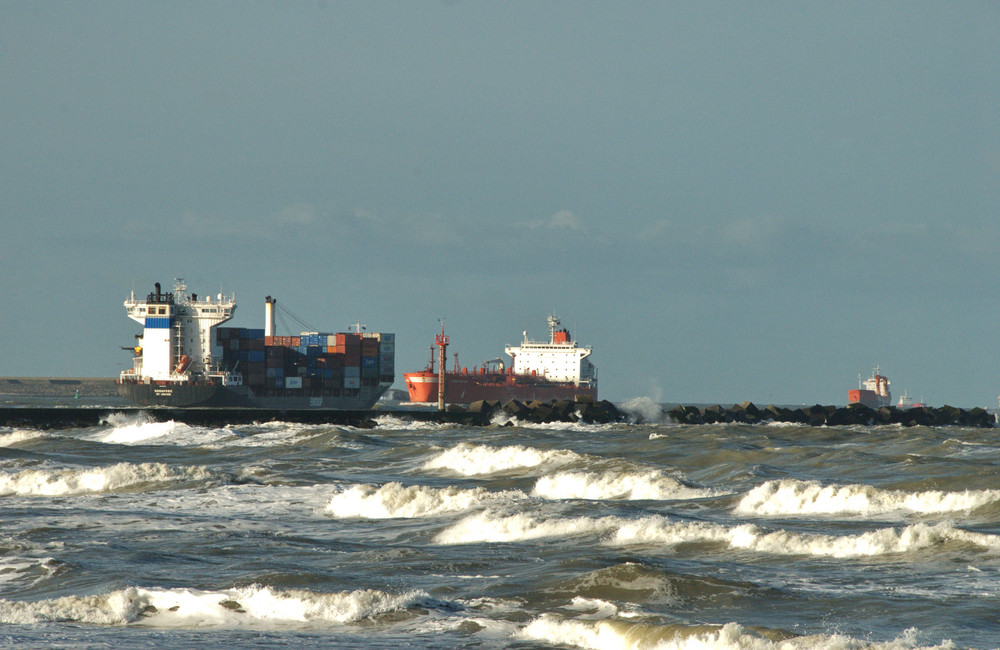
176 325
559 359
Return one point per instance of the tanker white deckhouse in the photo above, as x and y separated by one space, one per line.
183 358
557 360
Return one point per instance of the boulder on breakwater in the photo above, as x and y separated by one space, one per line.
818 415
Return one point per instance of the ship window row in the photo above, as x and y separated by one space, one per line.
153 310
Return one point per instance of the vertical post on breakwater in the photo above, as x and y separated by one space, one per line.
442 343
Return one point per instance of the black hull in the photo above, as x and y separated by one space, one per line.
215 395
169 394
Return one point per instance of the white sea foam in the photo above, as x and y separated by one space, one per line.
626 484
18 436
122 476
646 408
15 568
265 434
594 608
253 606
489 526
473 460
395 423
143 431
794 497
884 541
393 500
628 635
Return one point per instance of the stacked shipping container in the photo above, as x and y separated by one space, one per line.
312 363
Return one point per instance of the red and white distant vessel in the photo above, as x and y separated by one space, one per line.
873 392
539 370
906 402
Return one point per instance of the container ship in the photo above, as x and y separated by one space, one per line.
539 370
873 392
183 358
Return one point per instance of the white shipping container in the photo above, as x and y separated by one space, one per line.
352 382
293 382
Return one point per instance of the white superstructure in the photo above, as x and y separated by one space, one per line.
178 333
558 360
877 383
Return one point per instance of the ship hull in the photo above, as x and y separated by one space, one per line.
461 388
215 395
169 393
868 398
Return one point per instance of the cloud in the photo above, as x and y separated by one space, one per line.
562 220
752 234
655 230
297 214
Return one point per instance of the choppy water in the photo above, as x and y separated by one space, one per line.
416 535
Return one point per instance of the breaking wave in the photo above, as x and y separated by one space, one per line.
18 436
885 541
140 430
253 606
123 476
490 527
794 497
629 635
625 485
393 500
474 460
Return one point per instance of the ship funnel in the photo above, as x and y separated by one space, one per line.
269 316
157 285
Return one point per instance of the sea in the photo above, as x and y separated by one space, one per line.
640 534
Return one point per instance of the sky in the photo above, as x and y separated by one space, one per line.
728 201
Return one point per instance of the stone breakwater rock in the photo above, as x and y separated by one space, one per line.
538 412
834 416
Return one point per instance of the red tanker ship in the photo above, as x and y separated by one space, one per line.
873 392
539 370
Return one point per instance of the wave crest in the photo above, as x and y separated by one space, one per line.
468 459
393 500
17 436
885 541
794 497
253 606
488 526
625 485
123 476
606 633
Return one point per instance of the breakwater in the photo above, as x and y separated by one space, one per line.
477 414
483 413
818 415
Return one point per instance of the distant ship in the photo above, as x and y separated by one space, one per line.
873 392
906 402
539 370
183 358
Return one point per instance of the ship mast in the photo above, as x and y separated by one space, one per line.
442 342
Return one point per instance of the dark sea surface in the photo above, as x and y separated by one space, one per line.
420 535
